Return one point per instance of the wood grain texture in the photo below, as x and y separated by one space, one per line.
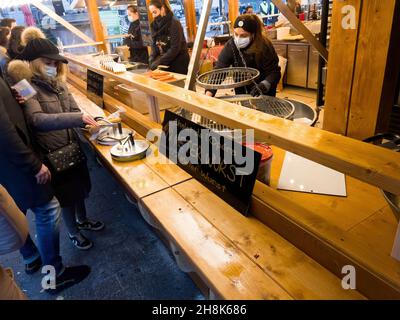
366 162
343 50
95 23
225 269
300 223
369 74
298 274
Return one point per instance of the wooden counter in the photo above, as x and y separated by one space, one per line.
236 257
330 231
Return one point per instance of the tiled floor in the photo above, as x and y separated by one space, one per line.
128 260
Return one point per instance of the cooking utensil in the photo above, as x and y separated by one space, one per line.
129 149
227 78
271 105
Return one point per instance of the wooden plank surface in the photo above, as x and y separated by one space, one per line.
362 199
343 49
224 268
168 173
313 233
298 274
366 162
370 68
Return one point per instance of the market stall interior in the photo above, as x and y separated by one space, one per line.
323 190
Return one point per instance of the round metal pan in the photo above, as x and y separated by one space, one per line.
126 153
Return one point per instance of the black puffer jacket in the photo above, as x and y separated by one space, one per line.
169 44
18 163
134 41
269 67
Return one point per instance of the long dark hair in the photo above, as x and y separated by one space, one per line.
260 37
161 3
14 45
4 32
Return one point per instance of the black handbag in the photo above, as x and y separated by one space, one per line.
65 158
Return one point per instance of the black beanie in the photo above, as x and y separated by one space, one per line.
249 25
41 48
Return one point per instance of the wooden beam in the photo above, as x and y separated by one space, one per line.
343 49
190 15
198 45
61 21
233 10
95 23
367 97
372 164
301 28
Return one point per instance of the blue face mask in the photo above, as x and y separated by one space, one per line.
51 71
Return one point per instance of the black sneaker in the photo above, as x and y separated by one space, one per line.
90 225
81 242
34 266
69 277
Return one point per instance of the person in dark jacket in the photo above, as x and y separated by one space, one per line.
169 44
4 58
15 47
51 115
27 180
139 52
250 43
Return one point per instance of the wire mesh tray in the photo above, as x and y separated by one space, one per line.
271 105
205 122
227 78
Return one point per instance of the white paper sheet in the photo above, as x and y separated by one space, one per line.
303 175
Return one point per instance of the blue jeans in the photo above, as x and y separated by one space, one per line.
48 236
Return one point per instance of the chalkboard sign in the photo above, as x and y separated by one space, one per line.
213 160
94 89
144 22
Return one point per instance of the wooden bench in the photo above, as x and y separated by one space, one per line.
236 257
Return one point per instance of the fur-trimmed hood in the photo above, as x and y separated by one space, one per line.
19 70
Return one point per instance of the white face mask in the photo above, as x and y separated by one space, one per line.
242 42
51 71
131 19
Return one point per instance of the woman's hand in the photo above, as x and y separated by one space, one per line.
89 120
17 96
43 176
209 93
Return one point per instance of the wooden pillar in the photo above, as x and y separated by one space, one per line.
362 68
95 23
342 49
233 10
190 15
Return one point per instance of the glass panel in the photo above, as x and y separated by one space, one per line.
29 15
179 12
218 22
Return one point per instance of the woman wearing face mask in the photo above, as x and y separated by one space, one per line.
169 44
251 43
52 114
134 41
